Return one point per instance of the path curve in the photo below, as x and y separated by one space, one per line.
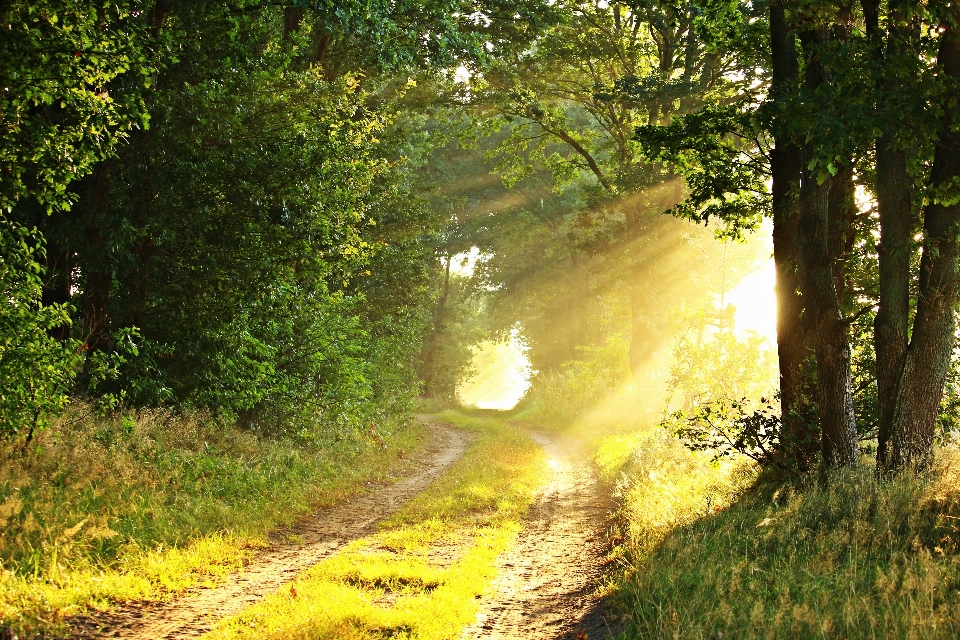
318 537
547 586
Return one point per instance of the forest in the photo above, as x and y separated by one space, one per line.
479 319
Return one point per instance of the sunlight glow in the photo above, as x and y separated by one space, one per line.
461 75
464 263
503 375
755 300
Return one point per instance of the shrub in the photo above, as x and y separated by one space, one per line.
36 369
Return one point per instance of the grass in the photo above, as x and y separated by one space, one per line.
716 552
105 512
422 575
142 507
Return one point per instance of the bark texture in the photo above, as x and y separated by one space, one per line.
823 317
893 208
799 440
928 355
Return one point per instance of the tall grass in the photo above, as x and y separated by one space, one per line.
143 506
717 552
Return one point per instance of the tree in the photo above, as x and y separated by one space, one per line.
570 105
263 240
825 141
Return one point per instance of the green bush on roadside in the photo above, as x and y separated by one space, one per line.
36 369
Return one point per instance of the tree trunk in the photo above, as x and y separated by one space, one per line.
95 264
893 208
843 213
57 268
928 355
799 440
823 316
292 17
890 325
431 384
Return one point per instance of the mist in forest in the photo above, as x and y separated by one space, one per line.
502 376
737 297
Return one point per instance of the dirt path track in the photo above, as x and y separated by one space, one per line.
317 538
547 586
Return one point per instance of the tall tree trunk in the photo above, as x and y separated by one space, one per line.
95 263
893 209
890 325
57 267
928 355
134 277
292 17
824 319
799 439
841 233
431 383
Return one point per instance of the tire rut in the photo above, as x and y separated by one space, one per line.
548 583
319 536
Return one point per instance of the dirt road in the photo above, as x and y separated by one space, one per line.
547 586
317 538
548 583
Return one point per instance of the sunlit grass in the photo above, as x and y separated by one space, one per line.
109 511
710 554
422 575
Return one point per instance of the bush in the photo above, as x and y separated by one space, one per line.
581 385
36 369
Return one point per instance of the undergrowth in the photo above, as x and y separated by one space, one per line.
718 552
422 575
144 506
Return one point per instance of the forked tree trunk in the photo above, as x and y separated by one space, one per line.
799 439
823 317
893 208
928 355
891 322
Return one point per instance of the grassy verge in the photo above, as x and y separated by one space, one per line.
144 507
421 576
714 553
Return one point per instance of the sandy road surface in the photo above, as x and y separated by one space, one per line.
547 585
317 537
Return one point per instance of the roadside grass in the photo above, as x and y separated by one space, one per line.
718 552
422 575
143 507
